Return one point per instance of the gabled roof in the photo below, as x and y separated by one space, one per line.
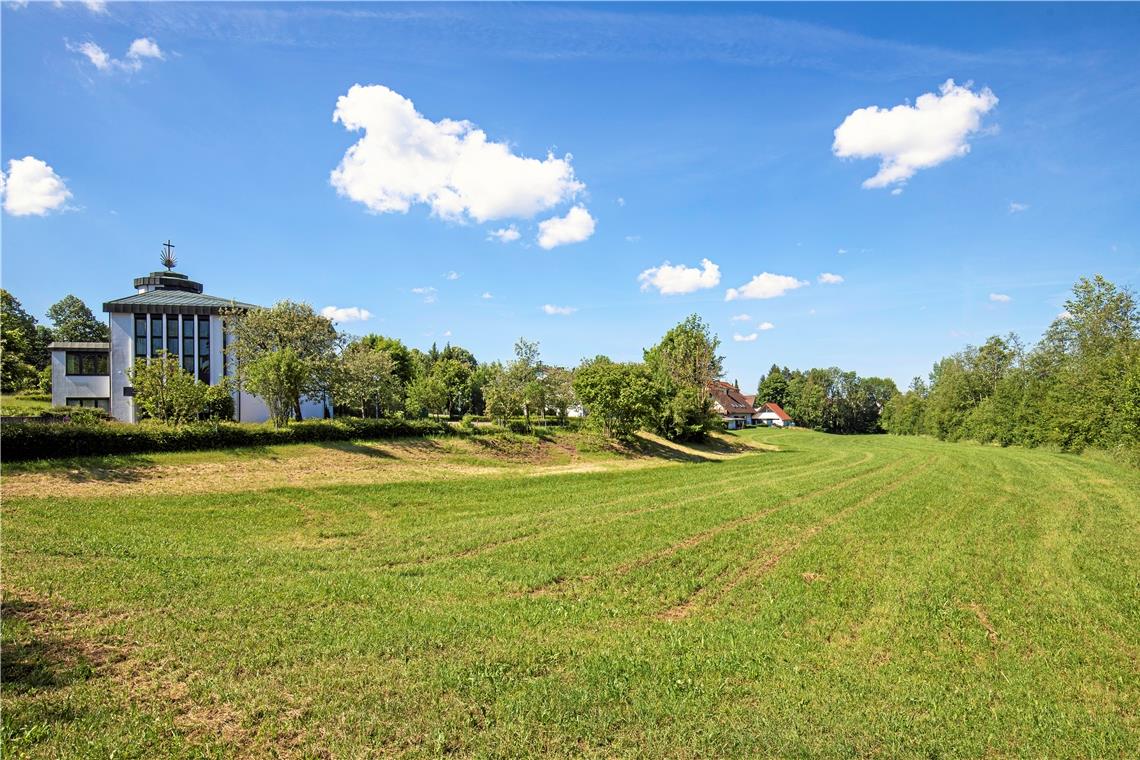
173 302
776 410
729 398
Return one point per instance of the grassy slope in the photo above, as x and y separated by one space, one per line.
846 596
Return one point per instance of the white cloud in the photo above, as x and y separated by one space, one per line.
621 201
1065 315
1000 298
1016 208
505 235
143 47
429 293
448 165
745 338
487 296
674 280
897 191
632 238
742 318
452 275
559 310
765 285
32 188
98 57
765 326
575 227
346 314
96 6
827 278
447 333
907 138
842 251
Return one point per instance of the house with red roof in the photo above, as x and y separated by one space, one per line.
733 407
772 415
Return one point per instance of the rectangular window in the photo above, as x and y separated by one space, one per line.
188 341
91 403
204 349
172 334
155 334
88 363
188 362
140 335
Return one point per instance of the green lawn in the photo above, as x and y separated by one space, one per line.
18 406
845 596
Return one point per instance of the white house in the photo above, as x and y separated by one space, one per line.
735 410
773 416
168 312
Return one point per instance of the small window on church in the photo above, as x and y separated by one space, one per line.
155 334
188 341
188 362
87 363
172 334
140 335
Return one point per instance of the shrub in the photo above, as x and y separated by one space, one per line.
24 441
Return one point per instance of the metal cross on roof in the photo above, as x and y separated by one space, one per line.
168 259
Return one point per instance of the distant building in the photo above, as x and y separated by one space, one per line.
735 410
772 415
168 312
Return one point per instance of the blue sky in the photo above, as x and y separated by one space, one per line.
682 133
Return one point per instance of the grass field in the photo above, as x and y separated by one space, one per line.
842 596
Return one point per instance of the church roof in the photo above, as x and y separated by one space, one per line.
173 302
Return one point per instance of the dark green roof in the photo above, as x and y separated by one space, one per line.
173 302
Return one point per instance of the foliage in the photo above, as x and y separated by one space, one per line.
683 365
427 394
311 340
72 320
403 365
366 380
618 398
164 391
17 343
33 440
1076 389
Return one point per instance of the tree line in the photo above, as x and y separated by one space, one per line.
1078 388
25 361
828 399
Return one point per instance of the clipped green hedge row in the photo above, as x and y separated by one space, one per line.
21 442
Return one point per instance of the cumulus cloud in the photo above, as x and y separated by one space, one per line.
429 293
621 201
907 138
742 318
450 166
452 275
346 314
575 227
1065 315
96 6
765 326
1017 208
487 296
745 338
842 251
559 310
765 285
505 235
632 238
1000 298
32 188
677 279
143 47
827 278
897 191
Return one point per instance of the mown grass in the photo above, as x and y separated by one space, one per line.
841 597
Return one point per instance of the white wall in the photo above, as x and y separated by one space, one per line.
122 355
65 386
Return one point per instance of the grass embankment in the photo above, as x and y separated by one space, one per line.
844 596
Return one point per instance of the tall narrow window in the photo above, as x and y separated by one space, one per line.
140 335
172 334
204 349
188 341
155 334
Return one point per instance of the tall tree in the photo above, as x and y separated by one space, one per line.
684 364
72 321
17 344
312 338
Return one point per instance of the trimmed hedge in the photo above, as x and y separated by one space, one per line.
24 441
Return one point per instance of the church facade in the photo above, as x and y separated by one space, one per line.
168 312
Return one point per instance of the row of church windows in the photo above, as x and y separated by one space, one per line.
167 334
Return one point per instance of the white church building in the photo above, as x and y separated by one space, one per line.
168 312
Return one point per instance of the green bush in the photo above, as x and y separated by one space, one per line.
24 441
